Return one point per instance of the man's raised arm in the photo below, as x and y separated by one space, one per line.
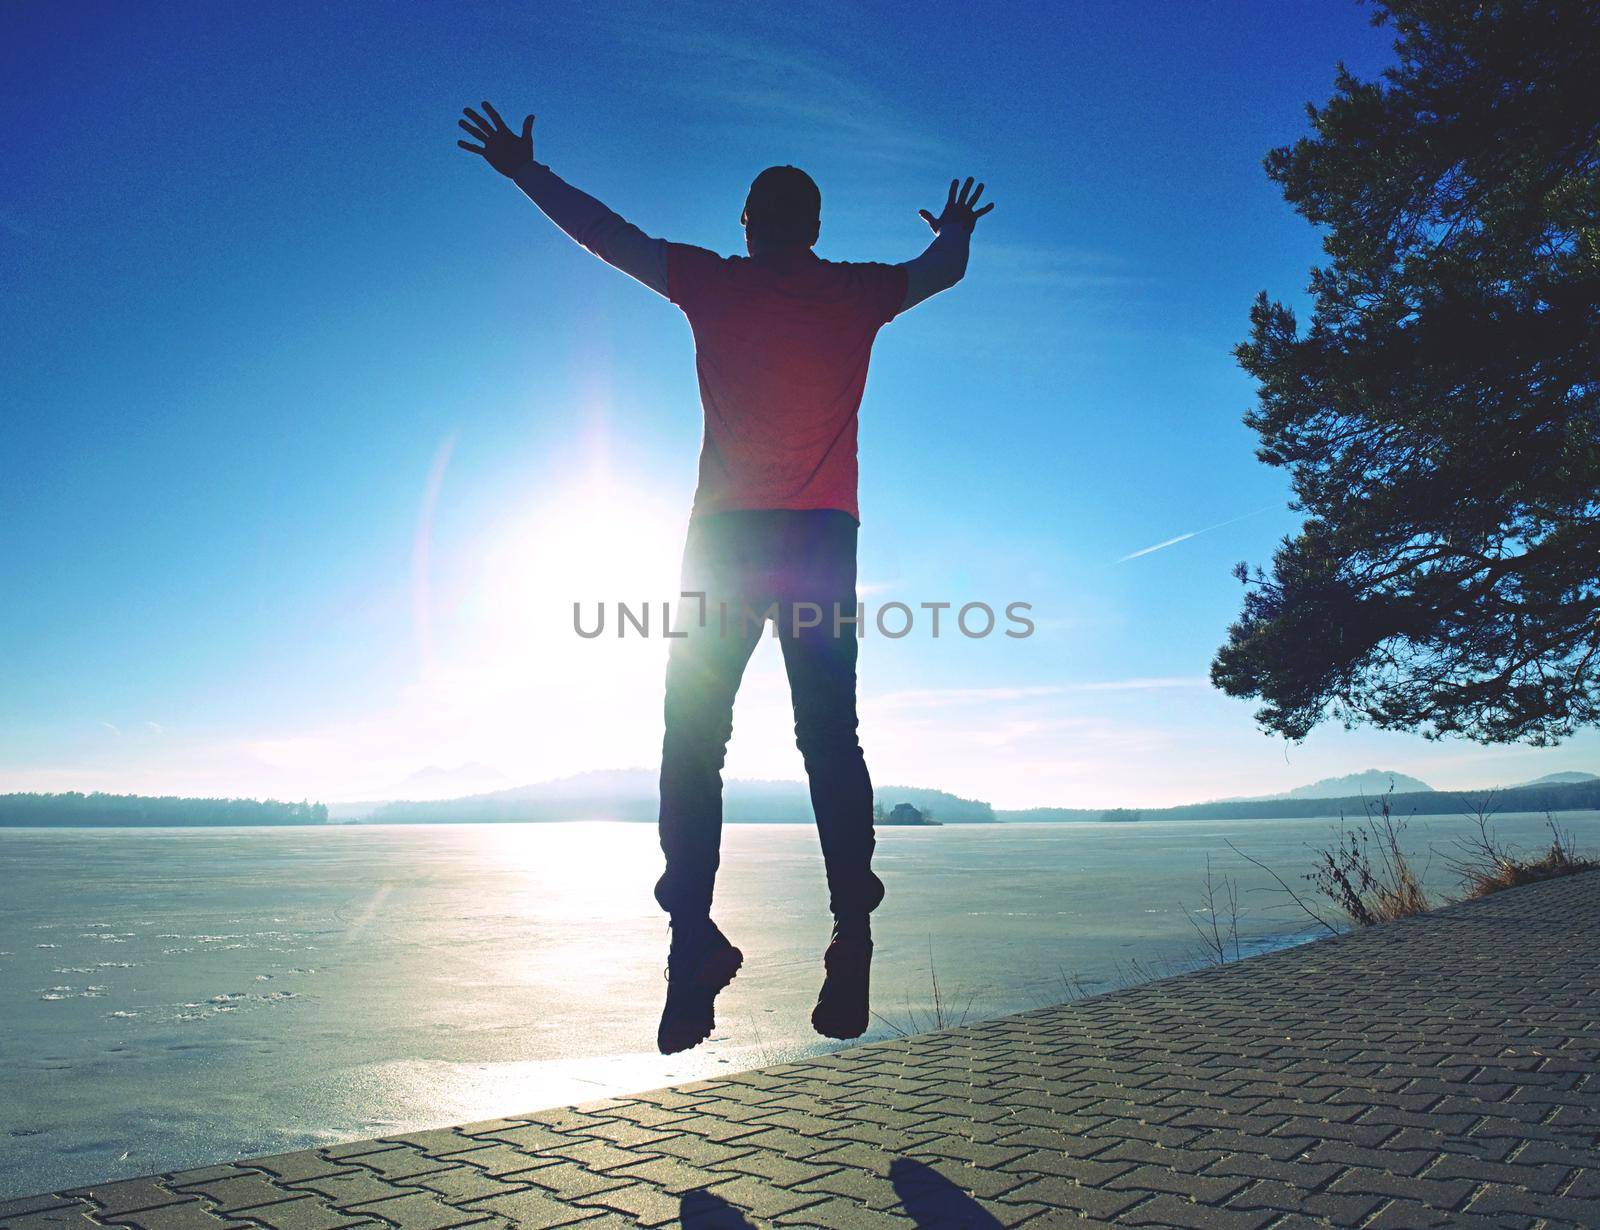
610 237
944 263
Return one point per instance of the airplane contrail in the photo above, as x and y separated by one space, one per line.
1172 542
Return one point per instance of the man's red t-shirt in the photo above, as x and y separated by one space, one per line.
781 347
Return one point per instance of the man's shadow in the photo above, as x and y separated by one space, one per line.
927 1199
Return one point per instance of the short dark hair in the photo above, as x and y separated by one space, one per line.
785 205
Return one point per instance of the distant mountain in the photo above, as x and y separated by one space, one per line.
1371 781
433 782
1351 785
472 777
1557 779
632 794
1554 796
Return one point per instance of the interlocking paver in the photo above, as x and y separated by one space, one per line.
22 1205
350 1189
535 1210
298 1167
698 1152
871 1191
568 1180
1246 1165
499 1161
784 1171
647 1204
237 1192
190 1215
599 1155
761 1198
1440 1071
1088 1170
401 1163
129 1196
420 1211
459 1184
438 1142
1497 1198
648 1114
354 1148
1167 1211
208 1174
1342 1209
954 1148
667 1173
60 1217
1437 1193
485 1127
871 1134
303 1213
789 1144
1204 1188
837 1214
1063 1193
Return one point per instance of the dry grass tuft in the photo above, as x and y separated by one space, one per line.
1488 866
1366 873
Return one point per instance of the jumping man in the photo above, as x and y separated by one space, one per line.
782 339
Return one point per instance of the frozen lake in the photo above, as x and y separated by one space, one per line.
175 997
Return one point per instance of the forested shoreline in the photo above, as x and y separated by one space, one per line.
1567 796
73 809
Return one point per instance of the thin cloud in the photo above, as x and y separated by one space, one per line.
1176 539
754 83
926 698
1083 270
1141 685
922 698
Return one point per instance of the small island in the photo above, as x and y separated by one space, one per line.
904 814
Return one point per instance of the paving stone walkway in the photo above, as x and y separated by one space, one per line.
1442 1071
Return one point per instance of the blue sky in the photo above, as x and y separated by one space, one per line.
314 425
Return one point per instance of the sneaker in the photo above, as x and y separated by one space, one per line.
700 963
841 1010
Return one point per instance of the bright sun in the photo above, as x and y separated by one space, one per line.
508 680
602 543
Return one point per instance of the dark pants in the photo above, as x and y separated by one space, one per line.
749 563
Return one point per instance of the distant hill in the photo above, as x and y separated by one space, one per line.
632 795
1558 779
1371 781
1558 796
468 778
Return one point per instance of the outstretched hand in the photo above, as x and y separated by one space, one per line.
959 209
503 149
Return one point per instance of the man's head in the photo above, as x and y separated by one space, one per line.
784 207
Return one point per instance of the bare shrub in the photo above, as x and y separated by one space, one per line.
1219 933
1366 873
1487 865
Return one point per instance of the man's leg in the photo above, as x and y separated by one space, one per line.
821 664
822 682
703 673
